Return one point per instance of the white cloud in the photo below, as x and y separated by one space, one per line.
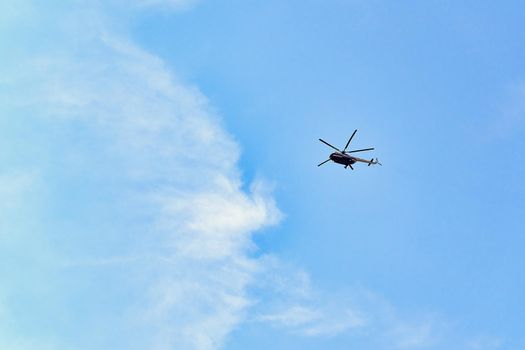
294 316
213 224
164 147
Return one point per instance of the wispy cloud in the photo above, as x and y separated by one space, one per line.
309 321
164 149
412 335
358 313
484 342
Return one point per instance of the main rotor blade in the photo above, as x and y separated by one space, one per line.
329 145
325 161
350 139
361 150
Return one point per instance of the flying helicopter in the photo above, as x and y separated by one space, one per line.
343 157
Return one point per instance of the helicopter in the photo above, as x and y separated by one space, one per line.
343 157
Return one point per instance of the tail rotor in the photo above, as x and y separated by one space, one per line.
374 162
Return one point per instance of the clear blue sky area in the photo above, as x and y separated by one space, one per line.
428 249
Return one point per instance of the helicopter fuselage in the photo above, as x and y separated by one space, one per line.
341 158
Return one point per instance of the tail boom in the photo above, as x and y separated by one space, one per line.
369 162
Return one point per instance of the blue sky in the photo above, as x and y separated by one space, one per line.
160 191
